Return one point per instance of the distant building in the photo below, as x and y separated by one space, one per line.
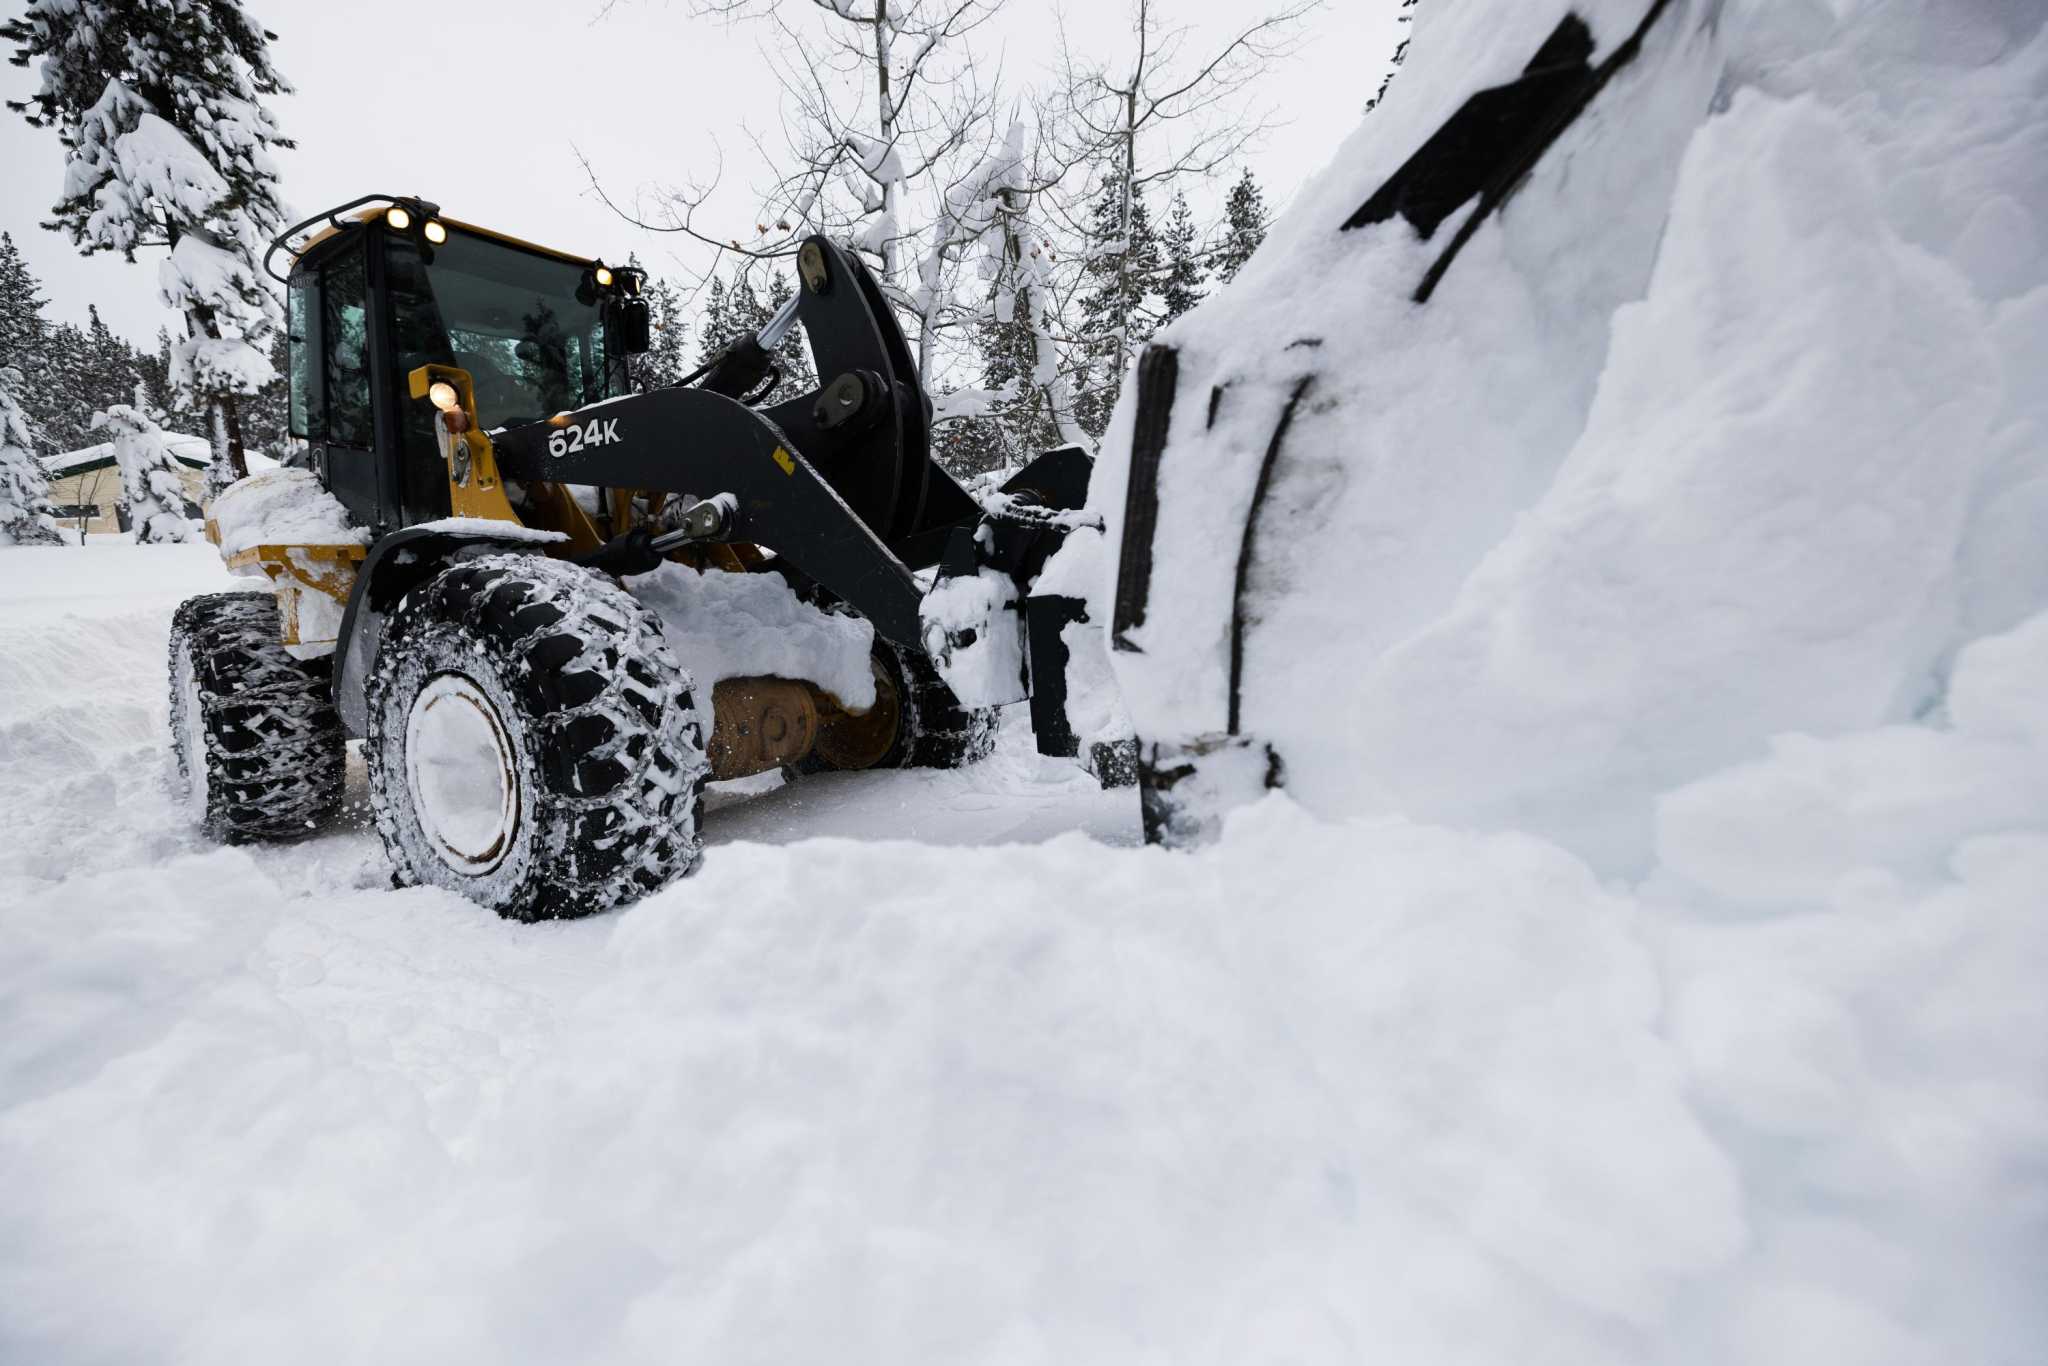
86 484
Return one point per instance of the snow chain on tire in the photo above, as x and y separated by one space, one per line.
938 731
260 751
606 764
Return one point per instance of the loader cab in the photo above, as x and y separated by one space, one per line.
397 287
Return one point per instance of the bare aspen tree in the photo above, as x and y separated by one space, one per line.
884 116
1165 111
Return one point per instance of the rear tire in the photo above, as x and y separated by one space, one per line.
532 743
260 751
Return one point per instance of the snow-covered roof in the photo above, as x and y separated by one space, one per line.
193 451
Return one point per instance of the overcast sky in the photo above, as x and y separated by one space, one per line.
481 106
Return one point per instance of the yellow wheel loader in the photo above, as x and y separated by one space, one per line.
529 730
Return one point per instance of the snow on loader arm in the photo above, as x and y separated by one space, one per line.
1410 336
466 575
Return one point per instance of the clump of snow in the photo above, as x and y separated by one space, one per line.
491 526
974 633
1095 707
281 507
725 625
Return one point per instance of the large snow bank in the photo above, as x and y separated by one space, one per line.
1328 1091
1731 424
1681 560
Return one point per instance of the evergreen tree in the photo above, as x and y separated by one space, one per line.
153 502
21 309
26 517
715 329
22 333
1244 227
62 401
664 362
266 417
109 373
160 110
793 357
1022 425
733 311
155 369
1184 274
1119 274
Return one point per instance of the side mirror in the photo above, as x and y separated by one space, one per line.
635 331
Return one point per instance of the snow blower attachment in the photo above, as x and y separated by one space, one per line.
1251 457
449 570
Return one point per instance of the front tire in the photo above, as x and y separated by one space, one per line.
916 722
532 743
259 750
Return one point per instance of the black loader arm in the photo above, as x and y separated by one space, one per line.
689 441
839 482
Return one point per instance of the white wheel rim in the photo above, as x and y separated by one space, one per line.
462 773
192 736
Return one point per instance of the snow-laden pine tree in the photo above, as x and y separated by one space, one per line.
153 501
159 105
266 417
1025 404
155 369
733 310
62 392
1244 227
1119 276
663 362
23 332
21 308
26 517
1182 288
110 373
714 323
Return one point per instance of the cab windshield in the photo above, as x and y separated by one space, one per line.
526 327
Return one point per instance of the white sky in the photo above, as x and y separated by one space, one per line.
480 105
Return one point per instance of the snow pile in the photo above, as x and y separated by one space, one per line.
281 507
1681 559
1730 424
723 625
974 634
1323 1092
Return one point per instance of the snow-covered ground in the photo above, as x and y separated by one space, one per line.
1649 973
1325 1092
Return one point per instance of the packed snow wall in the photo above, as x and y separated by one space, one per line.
1510 494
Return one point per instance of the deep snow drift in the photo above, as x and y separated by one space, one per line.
1648 971
1733 422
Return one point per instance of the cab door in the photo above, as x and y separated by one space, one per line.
333 382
